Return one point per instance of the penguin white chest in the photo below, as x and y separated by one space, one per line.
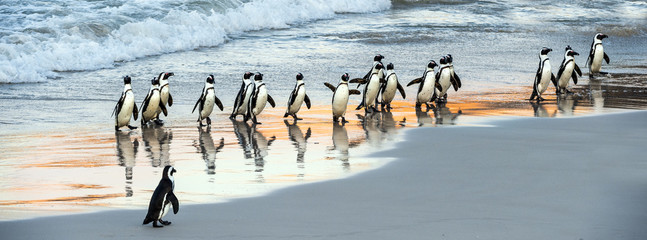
298 100
164 93
153 106
545 77
261 100
566 74
444 82
427 89
372 90
598 55
123 117
389 90
340 100
209 102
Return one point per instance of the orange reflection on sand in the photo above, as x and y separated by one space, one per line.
83 200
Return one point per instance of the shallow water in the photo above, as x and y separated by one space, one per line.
59 84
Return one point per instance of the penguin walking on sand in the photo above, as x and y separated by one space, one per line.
426 89
297 97
596 54
152 103
456 81
340 98
543 77
243 96
259 99
125 107
165 94
444 79
206 101
371 89
162 199
389 87
567 70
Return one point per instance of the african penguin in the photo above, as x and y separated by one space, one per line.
456 81
152 103
165 94
567 70
206 101
297 97
426 89
259 99
596 54
543 77
372 89
125 107
162 199
389 87
443 80
340 98
243 96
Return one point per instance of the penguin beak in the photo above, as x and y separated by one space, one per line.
604 36
575 53
173 171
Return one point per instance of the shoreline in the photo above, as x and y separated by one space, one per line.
454 193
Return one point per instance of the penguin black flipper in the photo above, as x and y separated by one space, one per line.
454 83
119 104
218 103
553 79
163 109
401 90
354 92
173 199
458 80
414 81
574 76
239 98
170 100
438 86
534 87
135 111
145 103
198 102
271 100
577 69
330 86
606 58
358 80
307 100
561 70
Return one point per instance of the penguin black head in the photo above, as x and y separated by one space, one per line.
545 50
210 79
248 75
450 59
155 81
165 75
432 64
168 172
378 58
379 66
344 77
258 76
299 76
568 47
389 66
600 36
443 60
127 80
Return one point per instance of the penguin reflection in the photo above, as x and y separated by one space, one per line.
387 125
298 139
157 141
540 111
126 155
423 117
370 124
260 145
566 104
595 88
445 116
209 149
340 143
244 134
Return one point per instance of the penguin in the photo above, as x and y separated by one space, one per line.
444 79
297 97
165 94
125 107
566 71
152 103
259 99
372 89
388 88
206 101
596 54
426 89
243 96
456 81
543 77
340 98
162 199
376 60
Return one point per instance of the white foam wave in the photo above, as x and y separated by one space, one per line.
108 35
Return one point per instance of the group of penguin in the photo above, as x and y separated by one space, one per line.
252 97
568 68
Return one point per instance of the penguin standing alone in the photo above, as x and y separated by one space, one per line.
596 54
567 70
165 94
125 107
152 103
163 197
297 97
389 86
426 89
206 101
259 99
543 77
243 96
340 98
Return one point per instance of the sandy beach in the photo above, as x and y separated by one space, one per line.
539 178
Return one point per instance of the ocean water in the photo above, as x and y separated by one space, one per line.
62 64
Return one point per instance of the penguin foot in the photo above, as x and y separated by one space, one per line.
132 127
335 119
343 120
165 222
117 129
155 225
208 121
